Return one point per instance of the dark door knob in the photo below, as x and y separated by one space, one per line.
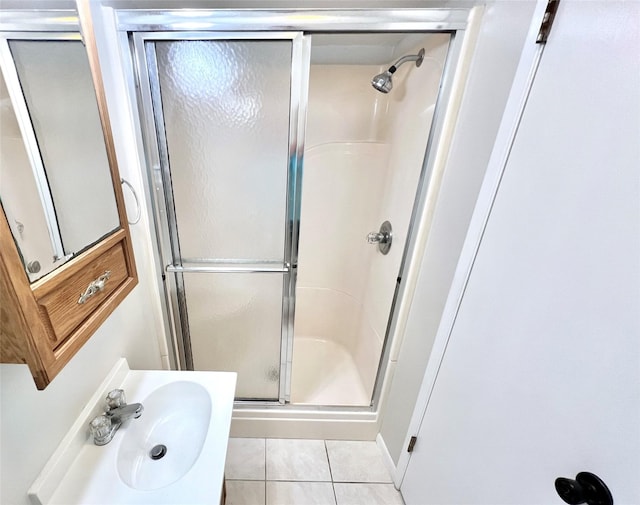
586 488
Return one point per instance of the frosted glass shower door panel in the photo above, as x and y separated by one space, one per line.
233 319
226 116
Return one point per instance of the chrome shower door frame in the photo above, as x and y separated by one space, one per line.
135 23
155 143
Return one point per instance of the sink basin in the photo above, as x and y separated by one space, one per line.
185 426
162 445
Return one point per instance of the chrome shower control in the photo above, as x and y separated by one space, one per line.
383 237
374 237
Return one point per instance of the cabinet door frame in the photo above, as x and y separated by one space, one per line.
34 339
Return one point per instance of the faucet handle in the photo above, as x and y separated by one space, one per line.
101 428
115 399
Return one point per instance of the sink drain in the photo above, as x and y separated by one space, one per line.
158 451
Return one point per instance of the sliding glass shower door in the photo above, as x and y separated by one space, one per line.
226 177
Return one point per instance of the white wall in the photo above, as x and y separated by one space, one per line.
503 28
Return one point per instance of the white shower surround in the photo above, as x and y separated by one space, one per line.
342 188
363 158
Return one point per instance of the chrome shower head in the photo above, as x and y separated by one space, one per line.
384 83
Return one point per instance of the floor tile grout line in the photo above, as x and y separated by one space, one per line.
326 451
299 480
377 483
312 480
315 481
333 487
361 482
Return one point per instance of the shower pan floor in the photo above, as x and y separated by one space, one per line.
324 373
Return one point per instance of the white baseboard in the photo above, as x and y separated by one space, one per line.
301 423
388 460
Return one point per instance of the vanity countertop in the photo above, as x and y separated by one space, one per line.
80 472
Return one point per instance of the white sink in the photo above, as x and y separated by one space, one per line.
188 412
175 420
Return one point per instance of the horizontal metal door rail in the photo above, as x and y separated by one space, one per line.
228 269
318 20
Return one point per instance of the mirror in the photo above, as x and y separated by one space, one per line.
55 183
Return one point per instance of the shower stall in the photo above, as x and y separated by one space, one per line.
363 156
287 169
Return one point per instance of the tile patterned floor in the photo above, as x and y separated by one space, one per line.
307 472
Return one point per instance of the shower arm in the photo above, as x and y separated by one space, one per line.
410 57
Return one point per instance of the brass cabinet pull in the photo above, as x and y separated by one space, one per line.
95 287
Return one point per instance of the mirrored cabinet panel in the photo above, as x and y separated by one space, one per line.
48 85
19 194
66 259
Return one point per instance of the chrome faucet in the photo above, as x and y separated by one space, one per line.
104 426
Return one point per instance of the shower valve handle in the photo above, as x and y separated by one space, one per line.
376 237
383 237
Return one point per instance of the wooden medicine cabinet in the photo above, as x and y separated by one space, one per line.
66 259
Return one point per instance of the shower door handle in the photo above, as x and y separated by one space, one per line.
383 238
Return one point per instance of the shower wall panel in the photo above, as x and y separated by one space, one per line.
327 313
345 169
363 158
342 188
362 166
407 123
343 107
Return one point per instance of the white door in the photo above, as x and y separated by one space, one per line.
541 374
